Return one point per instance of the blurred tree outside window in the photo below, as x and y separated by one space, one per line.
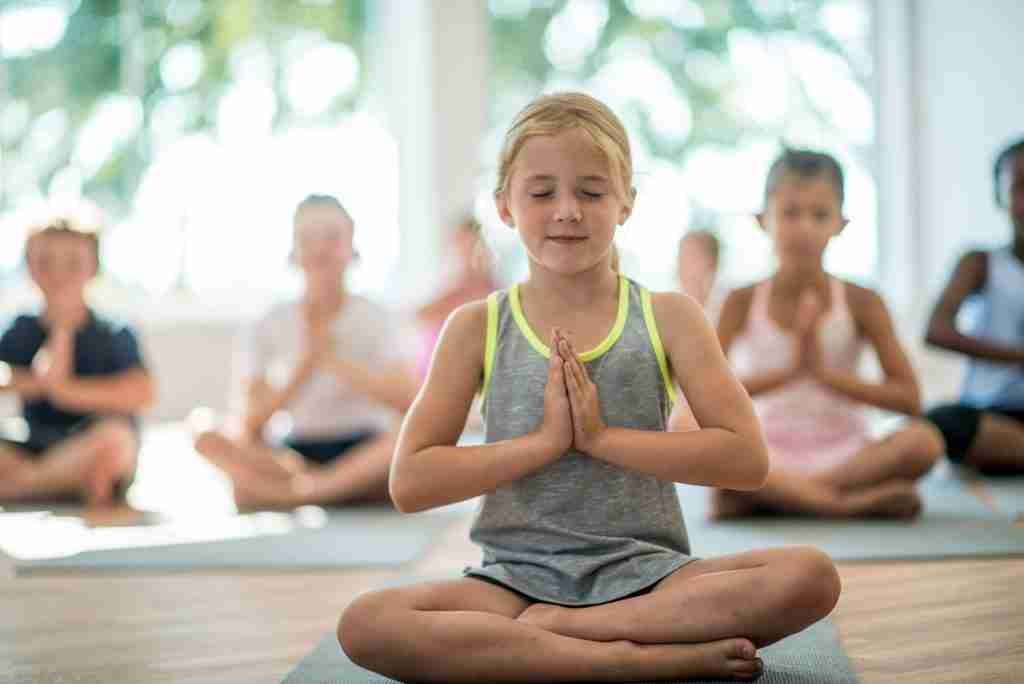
709 90
195 127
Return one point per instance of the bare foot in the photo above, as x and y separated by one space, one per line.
897 499
734 659
726 503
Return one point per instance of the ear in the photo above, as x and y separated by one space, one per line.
627 211
501 204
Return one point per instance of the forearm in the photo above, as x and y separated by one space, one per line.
20 381
977 348
441 475
127 394
767 381
891 395
712 457
264 402
393 387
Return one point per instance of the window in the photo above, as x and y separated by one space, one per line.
196 127
708 90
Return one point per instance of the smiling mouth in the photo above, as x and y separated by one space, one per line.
567 239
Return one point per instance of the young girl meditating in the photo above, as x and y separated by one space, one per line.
587 573
795 340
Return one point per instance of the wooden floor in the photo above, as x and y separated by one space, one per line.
951 621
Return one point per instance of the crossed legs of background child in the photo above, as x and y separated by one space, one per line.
705 620
87 465
263 476
879 481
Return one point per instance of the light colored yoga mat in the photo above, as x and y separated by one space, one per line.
814 656
954 523
310 538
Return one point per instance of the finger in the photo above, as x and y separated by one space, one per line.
575 391
577 366
556 357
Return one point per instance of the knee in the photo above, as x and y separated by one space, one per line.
925 444
115 442
358 629
816 581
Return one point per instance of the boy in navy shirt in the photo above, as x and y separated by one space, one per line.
80 378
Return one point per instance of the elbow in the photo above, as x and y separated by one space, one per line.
938 335
755 474
761 467
147 393
404 497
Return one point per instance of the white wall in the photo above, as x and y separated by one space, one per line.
970 63
949 97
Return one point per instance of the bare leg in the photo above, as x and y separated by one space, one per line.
262 476
89 463
250 456
360 475
466 631
998 446
763 595
798 494
907 454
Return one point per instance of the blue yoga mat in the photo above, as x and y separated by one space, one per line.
309 540
955 523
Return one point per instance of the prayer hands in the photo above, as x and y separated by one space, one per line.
557 424
588 425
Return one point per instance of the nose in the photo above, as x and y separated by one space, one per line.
569 209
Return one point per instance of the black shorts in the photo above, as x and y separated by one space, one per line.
958 424
324 450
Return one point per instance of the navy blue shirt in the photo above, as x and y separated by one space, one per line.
102 347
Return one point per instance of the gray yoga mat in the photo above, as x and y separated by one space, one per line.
314 539
954 523
814 656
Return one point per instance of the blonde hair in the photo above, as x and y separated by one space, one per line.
560 112
64 227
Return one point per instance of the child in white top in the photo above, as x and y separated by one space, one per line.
332 362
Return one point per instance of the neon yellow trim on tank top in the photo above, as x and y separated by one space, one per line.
659 350
491 342
545 351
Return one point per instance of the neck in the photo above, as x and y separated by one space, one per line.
795 278
573 291
324 295
67 309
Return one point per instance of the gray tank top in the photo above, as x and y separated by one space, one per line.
579 531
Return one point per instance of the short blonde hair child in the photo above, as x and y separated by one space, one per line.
64 227
560 112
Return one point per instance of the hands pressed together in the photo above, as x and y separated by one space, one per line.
572 408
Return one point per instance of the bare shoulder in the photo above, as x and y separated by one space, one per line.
466 327
738 300
863 301
676 313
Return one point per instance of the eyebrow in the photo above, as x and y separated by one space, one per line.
548 177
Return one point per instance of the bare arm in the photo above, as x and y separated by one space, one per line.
968 277
899 390
129 391
428 469
21 381
262 401
731 321
393 385
727 450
